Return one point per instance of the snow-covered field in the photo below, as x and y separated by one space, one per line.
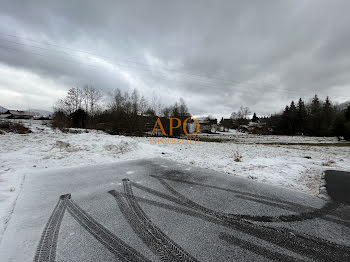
245 138
292 166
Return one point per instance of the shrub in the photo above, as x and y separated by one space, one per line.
328 163
10 127
60 120
237 157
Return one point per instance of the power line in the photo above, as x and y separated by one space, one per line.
143 67
120 60
106 61
74 62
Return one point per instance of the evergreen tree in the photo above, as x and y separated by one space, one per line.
341 127
315 117
327 118
255 118
293 118
285 123
347 124
301 117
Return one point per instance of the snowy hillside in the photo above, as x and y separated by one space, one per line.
39 112
3 109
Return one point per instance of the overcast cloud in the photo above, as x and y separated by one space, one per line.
217 55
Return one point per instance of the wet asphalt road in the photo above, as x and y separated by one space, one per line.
158 210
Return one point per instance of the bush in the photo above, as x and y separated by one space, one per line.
237 157
78 118
10 127
60 120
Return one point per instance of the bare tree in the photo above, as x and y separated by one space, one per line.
135 102
74 99
234 116
86 101
183 110
166 112
242 113
143 105
127 105
71 102
117 103
62 106
175 110
94 96
156 105
86 98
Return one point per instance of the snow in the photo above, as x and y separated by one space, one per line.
240 137
39 112
3 109
292 166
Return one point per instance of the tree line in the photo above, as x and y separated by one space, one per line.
316 118
125 113
131 113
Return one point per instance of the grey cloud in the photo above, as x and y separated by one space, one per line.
236 45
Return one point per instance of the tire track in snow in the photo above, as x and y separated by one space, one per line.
46 251
115 245
328 207
152 236
309 246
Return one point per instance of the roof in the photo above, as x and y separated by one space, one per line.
19 113
206 120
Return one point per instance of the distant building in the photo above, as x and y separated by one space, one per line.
16 114
255 128
225 125
206 125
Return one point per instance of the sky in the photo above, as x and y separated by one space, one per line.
216 55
